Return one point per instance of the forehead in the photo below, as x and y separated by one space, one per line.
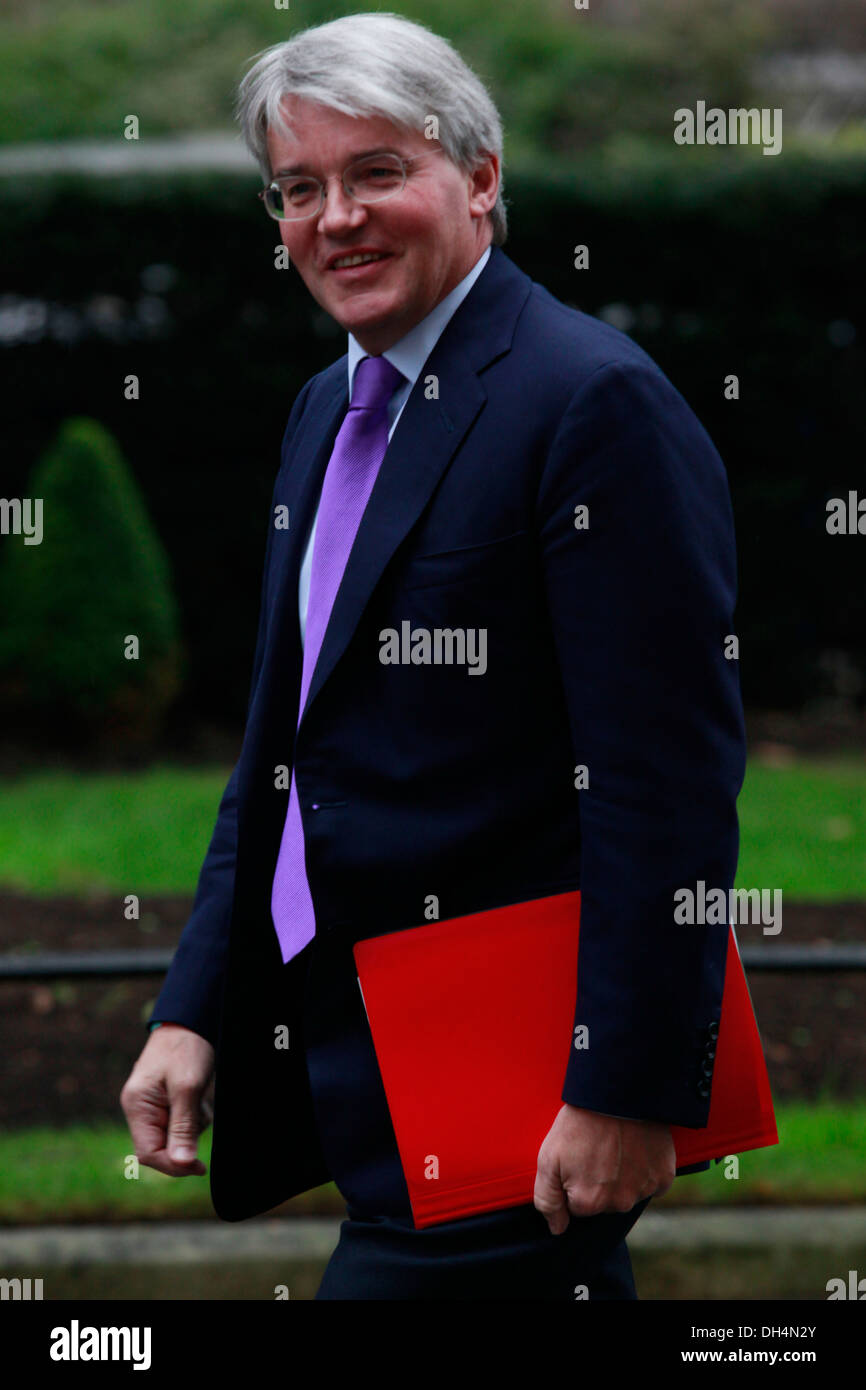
321 134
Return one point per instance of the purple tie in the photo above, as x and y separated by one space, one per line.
352 468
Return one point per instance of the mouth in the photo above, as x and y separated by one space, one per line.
359 264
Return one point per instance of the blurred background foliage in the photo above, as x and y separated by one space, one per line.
565 80
717 260
72 607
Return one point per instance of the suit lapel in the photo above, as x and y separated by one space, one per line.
427 436
312 448
406 480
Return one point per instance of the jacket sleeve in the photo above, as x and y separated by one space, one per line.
192 991
641 591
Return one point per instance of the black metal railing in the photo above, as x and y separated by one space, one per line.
97 965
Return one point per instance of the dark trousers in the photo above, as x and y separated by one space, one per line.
380 1255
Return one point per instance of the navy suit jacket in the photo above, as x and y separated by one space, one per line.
605 650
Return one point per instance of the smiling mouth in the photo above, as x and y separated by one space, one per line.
350 262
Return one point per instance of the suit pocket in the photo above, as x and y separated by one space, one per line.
466 563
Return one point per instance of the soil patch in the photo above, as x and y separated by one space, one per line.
73 1044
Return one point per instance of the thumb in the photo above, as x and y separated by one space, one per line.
183 1129
549 1198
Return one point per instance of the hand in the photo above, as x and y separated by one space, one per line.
591 1163
164 1101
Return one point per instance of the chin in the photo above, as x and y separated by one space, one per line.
360 322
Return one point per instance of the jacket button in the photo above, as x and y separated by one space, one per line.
709 1053
713 1031
703 1090
707 1070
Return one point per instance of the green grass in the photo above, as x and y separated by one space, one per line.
802 829
819 1158
140 832
77 1174
80 1174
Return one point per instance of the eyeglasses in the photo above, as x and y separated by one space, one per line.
369 180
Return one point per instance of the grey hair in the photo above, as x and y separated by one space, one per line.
375 65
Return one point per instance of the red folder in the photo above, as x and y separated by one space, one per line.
468 1018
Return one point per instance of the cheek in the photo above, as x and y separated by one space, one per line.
299 254
432 231
419 220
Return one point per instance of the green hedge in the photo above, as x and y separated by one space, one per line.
90 629
718 262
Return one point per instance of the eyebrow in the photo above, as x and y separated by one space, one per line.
358 154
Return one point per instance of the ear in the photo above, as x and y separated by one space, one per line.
484 184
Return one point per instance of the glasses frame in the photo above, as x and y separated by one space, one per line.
405 160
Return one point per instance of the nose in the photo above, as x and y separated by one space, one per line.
340 210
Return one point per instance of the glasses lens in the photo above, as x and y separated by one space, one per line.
376 177
300 197
273 201
293 198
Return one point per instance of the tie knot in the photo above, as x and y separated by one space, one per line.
376 380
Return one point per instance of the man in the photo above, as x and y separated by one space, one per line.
524 472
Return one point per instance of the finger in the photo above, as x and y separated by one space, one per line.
549 1198
147 1117
155 1128
150 1147
148 1131
584 1199
663 1187
162 1161
182 1142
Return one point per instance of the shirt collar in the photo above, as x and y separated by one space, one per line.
411 352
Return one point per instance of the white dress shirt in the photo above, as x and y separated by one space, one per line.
408 356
